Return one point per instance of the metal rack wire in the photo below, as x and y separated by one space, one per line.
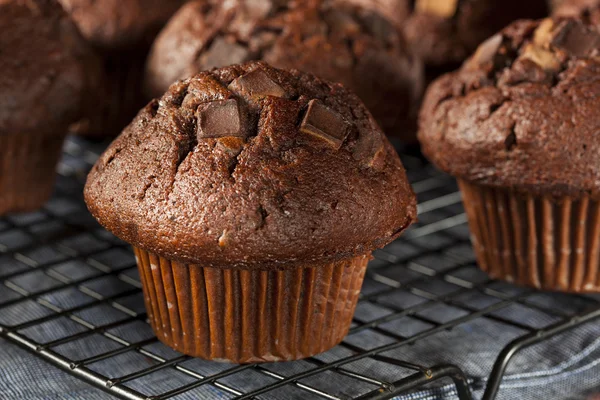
70 294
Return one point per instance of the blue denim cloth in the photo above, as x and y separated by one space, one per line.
567 367
24 377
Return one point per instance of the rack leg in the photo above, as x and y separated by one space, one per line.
491 390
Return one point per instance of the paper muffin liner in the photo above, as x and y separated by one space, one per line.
540 242
27 170
244 316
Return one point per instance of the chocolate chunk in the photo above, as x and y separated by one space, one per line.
486 52
257 84
224 239
223 52
324 123
546 59
369 150
203 88
523 70
441 8
377 161
543 34
220 119
575 39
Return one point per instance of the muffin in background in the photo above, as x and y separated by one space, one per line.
518 126
46 69
445 32
587 9
121 31
334 39
253 198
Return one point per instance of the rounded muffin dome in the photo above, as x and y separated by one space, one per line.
522 112
587 9
111 24
255 167
338 40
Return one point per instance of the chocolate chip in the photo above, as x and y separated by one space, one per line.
523 70
487 50
441 8
576 39
224 239
324 123
546 59
370 151
220 119
222 53
203 88
543 34
257 84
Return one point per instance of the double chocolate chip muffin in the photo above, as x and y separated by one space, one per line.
586 9
121 31
253 198
445 32
45 74
334 39
518 126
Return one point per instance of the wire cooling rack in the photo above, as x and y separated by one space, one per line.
70 294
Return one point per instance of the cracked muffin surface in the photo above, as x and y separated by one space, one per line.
521 113
253 167
338 40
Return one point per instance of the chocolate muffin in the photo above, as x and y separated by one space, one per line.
518 126
586 9
121 31
253 198
445 32
45 71
337 40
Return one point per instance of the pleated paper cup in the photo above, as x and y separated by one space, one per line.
245 316
540 242
27 170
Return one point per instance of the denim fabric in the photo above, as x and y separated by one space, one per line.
69 269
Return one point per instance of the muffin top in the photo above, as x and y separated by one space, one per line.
43 67
585 9
338 40
522 112
120 24
446 32
252 167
